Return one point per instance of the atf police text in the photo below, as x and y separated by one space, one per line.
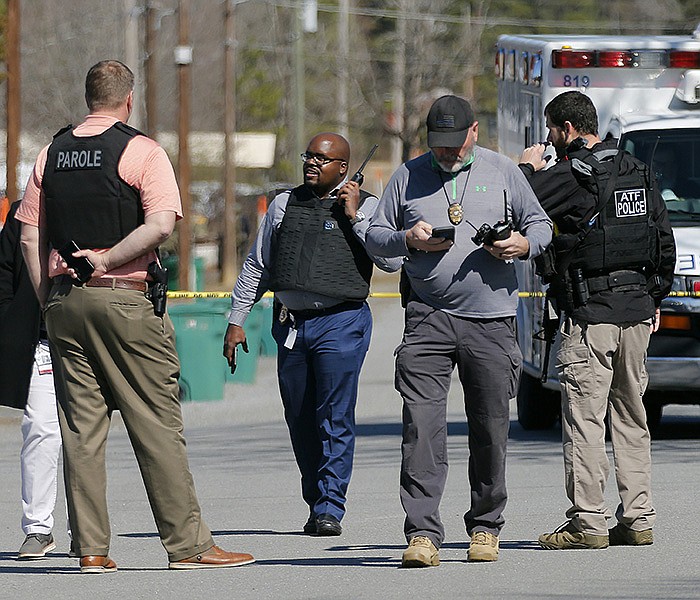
630 203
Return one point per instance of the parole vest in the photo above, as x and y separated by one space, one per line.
316 251
86 200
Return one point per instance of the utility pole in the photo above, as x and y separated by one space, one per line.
469 76
150 70
229 262
306 22
299 89
343 66
14 115
132 56
183 59
398 152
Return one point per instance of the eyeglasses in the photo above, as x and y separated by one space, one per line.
318 159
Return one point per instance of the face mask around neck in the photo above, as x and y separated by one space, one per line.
456 168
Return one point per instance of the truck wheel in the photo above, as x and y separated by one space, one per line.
538 407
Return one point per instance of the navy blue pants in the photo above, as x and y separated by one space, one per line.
318 380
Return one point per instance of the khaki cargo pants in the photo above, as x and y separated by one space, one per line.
602 371
112 353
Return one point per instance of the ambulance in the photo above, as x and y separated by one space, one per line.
646 90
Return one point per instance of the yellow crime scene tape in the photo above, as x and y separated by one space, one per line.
266 295
382 294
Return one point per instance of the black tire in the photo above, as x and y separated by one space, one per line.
654 406
538 407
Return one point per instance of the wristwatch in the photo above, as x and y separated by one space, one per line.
358 218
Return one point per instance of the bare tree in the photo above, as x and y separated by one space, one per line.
59 45
436 49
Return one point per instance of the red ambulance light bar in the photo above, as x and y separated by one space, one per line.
572 59
611 59
684 59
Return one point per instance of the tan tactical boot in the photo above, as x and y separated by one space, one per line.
624 536
483 547
567 537
421 552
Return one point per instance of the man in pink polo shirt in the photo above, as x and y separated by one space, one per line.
112 191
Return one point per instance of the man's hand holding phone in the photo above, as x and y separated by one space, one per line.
80 268
422 236
446 233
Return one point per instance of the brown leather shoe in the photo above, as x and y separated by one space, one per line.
97 564
212 558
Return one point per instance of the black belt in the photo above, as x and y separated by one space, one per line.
619 281
318 312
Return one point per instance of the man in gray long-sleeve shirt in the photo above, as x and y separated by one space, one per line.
460 311
310 251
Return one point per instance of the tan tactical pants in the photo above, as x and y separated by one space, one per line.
602 371
113 353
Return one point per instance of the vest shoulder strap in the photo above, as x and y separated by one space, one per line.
123 127
298 194
128 129
63 130
303 194
597 173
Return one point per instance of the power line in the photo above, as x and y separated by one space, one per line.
387 13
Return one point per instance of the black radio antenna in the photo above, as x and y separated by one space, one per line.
359 177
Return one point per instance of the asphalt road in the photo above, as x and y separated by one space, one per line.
249 491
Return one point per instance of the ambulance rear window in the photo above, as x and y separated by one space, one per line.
674 158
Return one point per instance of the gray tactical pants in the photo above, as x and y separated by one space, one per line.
489 362
602 371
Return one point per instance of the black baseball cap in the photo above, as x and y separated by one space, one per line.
448 121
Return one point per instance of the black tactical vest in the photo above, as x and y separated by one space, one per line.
86 200
316 251
623 234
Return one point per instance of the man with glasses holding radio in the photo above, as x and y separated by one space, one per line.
310 250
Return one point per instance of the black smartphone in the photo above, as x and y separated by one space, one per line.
447 232
81 265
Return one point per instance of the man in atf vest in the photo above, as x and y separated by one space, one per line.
613 263
111 191
310 250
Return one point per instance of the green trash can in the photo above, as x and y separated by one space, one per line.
268 346
199 334
171 262
199 272
247 364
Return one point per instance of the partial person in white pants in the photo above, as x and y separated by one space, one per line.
26 383
41 445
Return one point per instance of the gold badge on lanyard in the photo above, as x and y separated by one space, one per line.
455 213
